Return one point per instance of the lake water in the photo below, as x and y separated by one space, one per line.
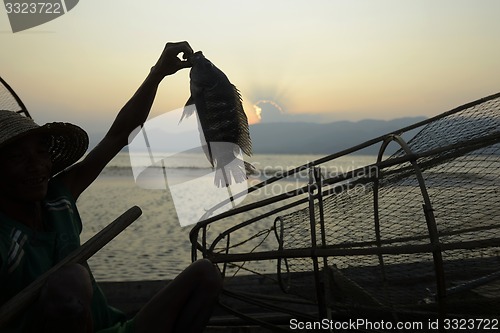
156 246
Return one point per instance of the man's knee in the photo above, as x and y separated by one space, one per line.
208 273
68 292
64 304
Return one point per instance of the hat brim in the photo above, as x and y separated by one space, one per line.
67 143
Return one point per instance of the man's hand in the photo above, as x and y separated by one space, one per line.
170 62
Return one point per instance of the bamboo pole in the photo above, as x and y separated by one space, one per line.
15 305
338 252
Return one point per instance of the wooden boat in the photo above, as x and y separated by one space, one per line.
130 296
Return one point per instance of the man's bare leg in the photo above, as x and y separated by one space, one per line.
185 304
64 302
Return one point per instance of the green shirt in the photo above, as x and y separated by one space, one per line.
25 254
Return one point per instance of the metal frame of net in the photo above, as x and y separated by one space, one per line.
411 235
10 101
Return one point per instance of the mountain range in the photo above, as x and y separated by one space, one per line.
295 137
315 138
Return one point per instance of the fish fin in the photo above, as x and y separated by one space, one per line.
207 150
244 140
228 166
189 108
250 169
237 169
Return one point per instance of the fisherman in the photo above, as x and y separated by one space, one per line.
40 224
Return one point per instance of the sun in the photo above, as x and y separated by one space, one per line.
254 110
268 101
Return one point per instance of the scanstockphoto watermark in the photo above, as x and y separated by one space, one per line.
340 172
293 188
345 177
25 15
429 325
355 325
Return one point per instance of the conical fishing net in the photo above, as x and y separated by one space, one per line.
413 235
10 101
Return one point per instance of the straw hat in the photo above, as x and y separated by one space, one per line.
67 143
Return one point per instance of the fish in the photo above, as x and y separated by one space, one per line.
222 121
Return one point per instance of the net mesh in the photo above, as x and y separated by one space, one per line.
462 183
9 100
416 232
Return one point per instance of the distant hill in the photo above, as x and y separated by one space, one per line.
314 138
303 137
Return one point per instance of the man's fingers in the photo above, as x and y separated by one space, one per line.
185 63
180 47
175 56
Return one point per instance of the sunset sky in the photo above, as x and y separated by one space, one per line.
316 60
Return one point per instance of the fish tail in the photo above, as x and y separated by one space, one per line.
225 174
238 170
